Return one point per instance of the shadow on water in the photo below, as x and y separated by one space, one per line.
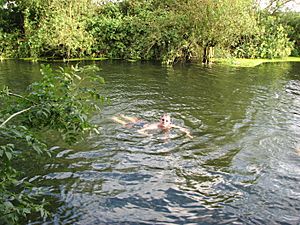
18 74
241 166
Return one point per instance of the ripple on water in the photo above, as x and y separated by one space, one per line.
241 167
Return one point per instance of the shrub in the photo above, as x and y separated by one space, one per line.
270 41
8 44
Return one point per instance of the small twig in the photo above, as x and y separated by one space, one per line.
15 114
22 97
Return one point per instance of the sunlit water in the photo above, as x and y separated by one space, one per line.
241 167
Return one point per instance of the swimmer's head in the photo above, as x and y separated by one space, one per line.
165 120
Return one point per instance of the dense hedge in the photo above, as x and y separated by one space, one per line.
167 30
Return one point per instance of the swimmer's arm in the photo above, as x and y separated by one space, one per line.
184 130
144 130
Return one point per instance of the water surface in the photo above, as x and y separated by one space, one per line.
241 167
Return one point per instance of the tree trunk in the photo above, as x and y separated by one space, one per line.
208 53
205 56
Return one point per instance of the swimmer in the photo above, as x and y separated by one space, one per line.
164 124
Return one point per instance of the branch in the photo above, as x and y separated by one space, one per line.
280 5
270 4
20 96
15 114
275 5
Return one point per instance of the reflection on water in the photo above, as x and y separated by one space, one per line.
241 166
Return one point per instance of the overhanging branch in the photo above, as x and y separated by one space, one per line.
20 96
15 114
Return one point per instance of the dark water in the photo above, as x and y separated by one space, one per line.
241 167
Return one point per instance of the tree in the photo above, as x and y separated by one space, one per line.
50 28
271 41
274 6
292 20
219 22
61 30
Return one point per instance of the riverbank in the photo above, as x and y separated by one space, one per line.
234 62
238 62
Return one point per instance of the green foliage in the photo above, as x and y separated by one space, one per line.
50 28
10 19
292 19
141 30
8 44
61 32
136 30
270 41
61 102
219 22
163 30
168 30
15 202
10 29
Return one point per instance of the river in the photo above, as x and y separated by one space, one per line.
241 167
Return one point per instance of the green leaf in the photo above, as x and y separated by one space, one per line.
78 77
36 148
8 204
8 155
26 211
28 139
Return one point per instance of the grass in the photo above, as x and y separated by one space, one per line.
236 62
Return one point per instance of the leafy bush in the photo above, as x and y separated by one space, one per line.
16 198
56 28
270 41
61 101
8 44
292 19
138 30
